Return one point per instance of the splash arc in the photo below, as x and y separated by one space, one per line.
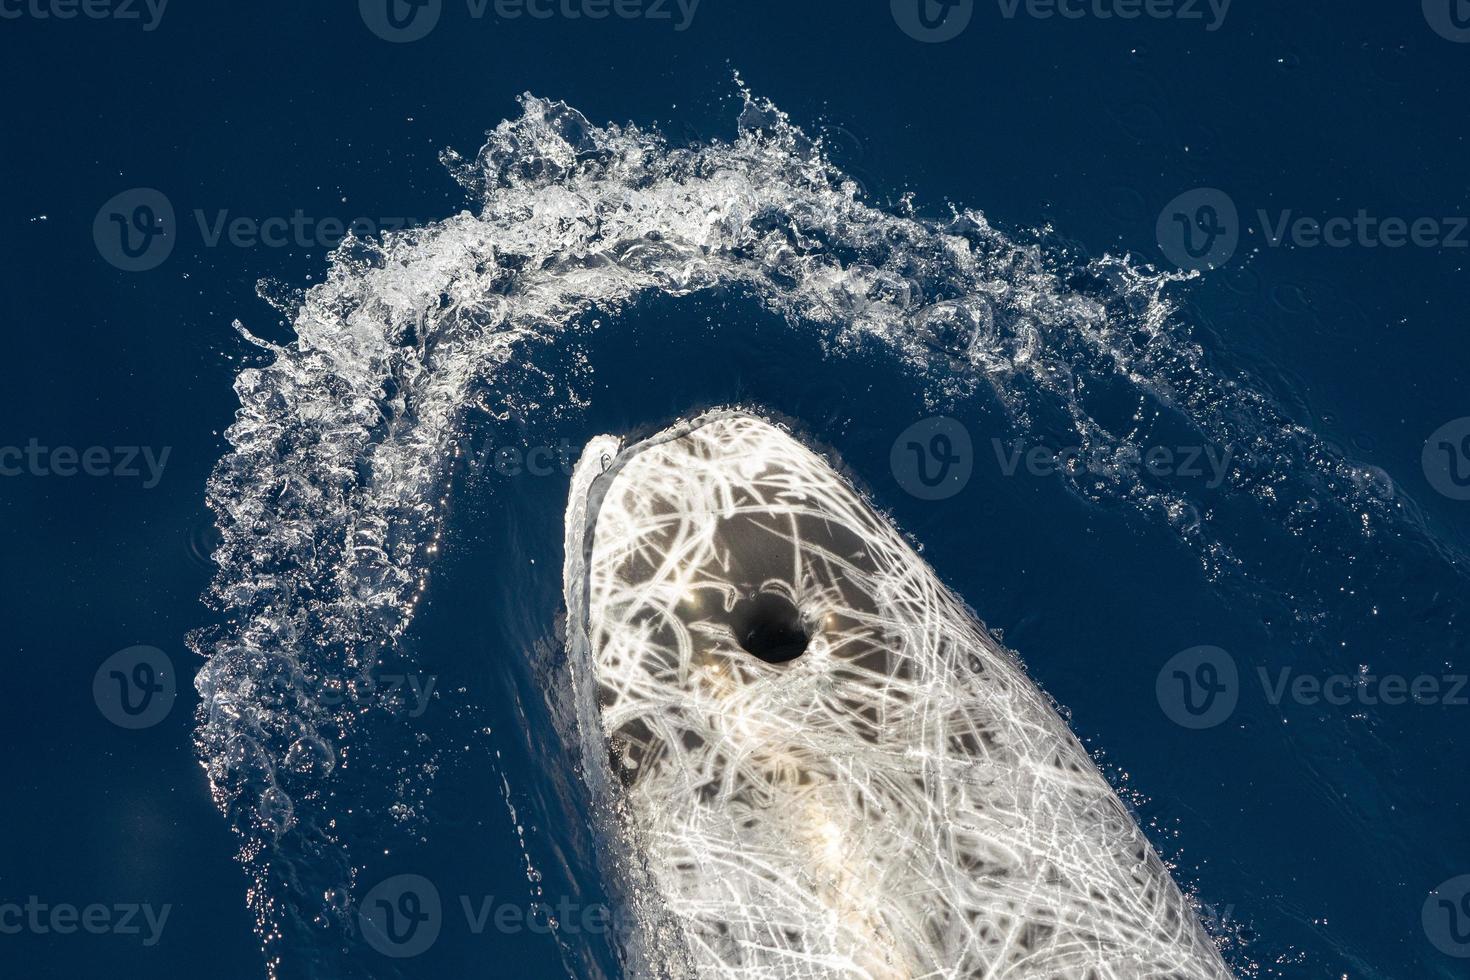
333 496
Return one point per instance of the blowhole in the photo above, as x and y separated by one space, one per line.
768 626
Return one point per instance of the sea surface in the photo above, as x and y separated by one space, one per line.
289 649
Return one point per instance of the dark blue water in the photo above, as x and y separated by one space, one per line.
1312 833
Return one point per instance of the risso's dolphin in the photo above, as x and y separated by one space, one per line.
812 760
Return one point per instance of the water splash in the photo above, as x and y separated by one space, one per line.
329 502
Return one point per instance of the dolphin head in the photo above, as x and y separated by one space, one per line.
825 764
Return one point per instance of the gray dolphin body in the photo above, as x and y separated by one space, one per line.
812 760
